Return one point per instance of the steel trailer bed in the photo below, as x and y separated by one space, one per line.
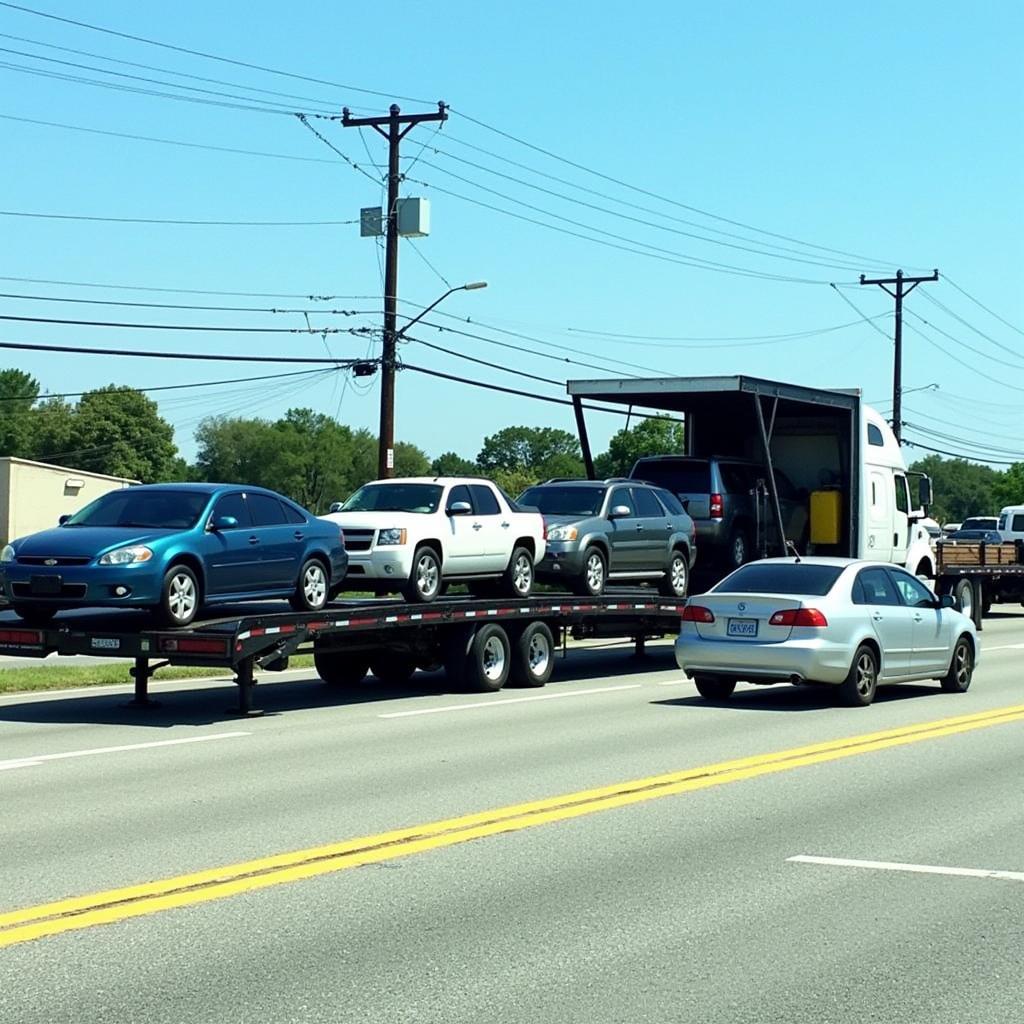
344 634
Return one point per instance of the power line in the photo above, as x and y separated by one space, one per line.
666 199
187 223
201 53
178 327
963 363
166 387
970 348
970 326
173 305
484 362
330 145
958 455
142 354
981 305
170 142
981 446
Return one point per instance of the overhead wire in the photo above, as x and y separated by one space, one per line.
177 327
180 223
981 334
959 455
981 305
182 306
20 346
330 145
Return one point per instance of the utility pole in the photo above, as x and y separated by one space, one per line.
901 282
394 134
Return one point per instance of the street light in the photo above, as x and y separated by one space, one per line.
386 442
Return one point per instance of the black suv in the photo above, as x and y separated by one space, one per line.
727 499
619 530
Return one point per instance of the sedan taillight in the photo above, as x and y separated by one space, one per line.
698 613
798 617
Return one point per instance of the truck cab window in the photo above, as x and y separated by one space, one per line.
902 496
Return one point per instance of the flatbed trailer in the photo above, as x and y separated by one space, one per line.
481 644
980 574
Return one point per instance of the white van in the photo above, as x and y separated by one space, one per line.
1011 522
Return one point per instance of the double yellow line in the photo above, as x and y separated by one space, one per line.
203 886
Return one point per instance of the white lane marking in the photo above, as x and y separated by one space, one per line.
35 760
920 869
508 700
1001 647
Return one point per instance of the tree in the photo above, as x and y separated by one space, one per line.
658 435
534 452
450 464
960 488
18 392
1009 488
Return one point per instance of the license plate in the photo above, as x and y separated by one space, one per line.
742 627
45 586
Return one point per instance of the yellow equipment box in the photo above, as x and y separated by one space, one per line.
826 513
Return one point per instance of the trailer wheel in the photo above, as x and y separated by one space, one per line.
533 656
487 660
340 668
393 668
963 594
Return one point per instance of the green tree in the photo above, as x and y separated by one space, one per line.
450 464
233 449
1009 487
658 435
534 452
959 488
18 393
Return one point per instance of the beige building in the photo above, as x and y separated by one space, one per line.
34 495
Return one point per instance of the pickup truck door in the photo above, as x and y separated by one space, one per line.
464 547
495 534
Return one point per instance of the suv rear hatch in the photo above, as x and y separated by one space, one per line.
687 478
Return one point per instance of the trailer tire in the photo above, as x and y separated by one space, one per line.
714 687
393 668
488 660
340 668
533 655
963 594
961 668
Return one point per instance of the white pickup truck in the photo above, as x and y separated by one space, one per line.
416 535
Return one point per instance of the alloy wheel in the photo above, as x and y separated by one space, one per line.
679 576
314 585
595 573
522 575
181 596
428 575
963 665
865 674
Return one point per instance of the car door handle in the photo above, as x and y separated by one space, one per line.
298 535
877 617
639 527
477 526
254 540
505 526
919 617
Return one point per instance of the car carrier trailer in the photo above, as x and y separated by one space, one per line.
481 644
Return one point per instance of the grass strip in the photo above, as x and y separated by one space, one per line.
48 676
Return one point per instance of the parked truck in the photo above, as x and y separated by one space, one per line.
839 454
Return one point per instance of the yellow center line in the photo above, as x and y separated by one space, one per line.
203 886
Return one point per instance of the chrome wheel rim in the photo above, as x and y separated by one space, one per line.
181 596
493 656
679 576
739 551
963 665
865 674
595 573
314 585
539 654
428 575
522 574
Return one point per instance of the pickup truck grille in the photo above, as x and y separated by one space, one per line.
358 540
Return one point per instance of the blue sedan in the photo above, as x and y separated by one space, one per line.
174 548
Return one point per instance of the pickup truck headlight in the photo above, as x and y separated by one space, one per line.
392 536
7 555
127 556
561 533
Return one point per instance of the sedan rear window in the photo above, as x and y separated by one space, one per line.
681 476
781 578
563 501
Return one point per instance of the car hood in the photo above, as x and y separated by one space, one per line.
85 541
577 521
378 520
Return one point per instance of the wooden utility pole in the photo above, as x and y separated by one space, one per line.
394 134
901 283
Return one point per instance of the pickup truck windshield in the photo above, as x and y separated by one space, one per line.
397 497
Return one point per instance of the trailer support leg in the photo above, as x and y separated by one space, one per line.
141 672
246 683
977 609
640 648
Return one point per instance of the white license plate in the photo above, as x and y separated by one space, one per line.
742 627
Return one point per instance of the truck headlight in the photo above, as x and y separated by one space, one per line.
127 556
392 536
7 555
562 533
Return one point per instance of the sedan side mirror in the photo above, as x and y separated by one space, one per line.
460 508
947 601
63 520
620 512
225 523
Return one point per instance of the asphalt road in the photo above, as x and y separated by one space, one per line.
673 900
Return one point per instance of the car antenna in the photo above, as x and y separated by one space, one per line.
796 554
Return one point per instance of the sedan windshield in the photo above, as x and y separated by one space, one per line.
153 510
563 501
424 498
782 578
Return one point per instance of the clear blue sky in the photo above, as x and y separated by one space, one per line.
892 134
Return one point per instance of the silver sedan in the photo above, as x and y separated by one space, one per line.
841 621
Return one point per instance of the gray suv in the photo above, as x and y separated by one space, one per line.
613 530
728 501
